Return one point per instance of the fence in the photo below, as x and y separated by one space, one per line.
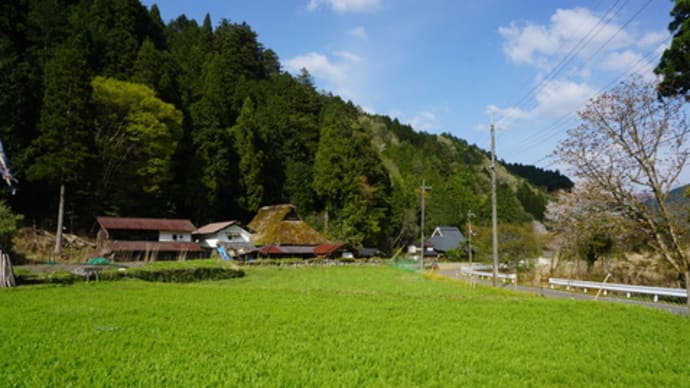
480 272
626 288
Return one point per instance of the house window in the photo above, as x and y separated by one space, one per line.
234 235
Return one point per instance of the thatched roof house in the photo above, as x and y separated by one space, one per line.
280 225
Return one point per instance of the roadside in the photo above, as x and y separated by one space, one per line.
451 270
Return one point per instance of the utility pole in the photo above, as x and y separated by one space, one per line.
469 235
421 260
58 233
494 224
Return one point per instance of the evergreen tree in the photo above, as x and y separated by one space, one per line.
250 159
674 65
61 151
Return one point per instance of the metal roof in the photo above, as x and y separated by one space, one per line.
327 249
152 246
286 250
445 238
133 223
214 227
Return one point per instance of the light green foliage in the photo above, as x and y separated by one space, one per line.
136 130
516 242
335 326
136 137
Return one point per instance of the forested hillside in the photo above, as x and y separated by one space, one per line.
137 117
546 179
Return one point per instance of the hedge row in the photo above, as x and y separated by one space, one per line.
313 261
166 275
174 275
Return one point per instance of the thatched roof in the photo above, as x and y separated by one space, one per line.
280 225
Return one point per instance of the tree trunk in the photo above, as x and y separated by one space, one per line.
58 233
6 275
325 222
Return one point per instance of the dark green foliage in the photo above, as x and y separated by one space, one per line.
251 159
8 226
349 177
674 65
185 272
546 179
62 148
533 201
56 277
173 275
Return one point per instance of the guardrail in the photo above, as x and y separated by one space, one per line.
626 288
478 272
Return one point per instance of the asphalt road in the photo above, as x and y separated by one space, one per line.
451 271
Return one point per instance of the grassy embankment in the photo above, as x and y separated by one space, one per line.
325 326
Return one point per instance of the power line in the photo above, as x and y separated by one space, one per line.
593 32
579 46
558 127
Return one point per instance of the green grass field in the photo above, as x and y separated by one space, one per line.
330 326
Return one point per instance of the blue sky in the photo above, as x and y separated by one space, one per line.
444 65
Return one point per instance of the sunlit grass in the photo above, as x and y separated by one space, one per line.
328 326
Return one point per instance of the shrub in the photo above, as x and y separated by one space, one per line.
174 275
169 272
58 277
8 226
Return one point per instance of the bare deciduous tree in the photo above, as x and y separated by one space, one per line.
632 145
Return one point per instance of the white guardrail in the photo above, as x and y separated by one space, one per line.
480 272
626 288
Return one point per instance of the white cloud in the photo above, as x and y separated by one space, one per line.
627 61
348 56
424 121
596 48
338 73
554 99
559 97
359 32
343 6
569 29
318 66
652 38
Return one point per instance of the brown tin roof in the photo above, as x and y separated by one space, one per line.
151 246
133 223
327 249
287 250
214 227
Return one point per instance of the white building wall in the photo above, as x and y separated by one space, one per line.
174 236
231 234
